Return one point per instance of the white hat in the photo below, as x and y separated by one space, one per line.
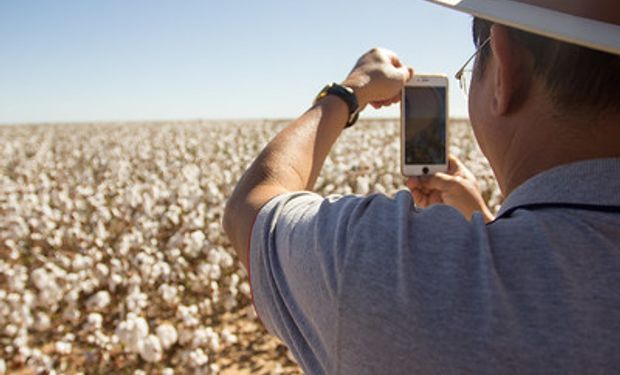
589 23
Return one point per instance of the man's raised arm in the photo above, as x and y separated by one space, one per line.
293 160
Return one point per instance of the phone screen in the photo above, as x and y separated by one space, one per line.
425 125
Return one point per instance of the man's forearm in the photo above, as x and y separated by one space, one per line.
294 158
292 161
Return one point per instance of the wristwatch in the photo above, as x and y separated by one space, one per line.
345 93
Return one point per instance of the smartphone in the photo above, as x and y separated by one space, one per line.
424 120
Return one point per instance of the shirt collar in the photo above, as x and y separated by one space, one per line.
591 182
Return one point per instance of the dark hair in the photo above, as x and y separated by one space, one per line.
577 77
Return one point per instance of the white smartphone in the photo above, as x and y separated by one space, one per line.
424 125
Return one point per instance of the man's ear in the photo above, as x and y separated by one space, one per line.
509 80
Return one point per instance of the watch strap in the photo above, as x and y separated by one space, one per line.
347 95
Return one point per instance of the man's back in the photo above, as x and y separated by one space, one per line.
372 285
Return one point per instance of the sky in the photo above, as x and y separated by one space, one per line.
117 60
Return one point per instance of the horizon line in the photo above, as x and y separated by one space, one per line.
183 120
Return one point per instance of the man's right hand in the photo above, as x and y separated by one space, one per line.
457 188
378 77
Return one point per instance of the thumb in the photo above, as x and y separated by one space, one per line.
410 72
406 72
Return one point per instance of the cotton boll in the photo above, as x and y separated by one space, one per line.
197 358
362 185
226 260
41 322
167 371
187 314
2 367
81 262
132 332
167 335
63 347
244 288
94 321
114 281
168 293
194 244
191 172
215 272
150 349
102 271
214 256
136 300
228 337
99 301
40 278
387 180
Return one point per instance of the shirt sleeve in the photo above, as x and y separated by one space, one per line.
298 250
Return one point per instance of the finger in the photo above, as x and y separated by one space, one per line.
435 198
439 181
411 72
384 103
395 60
454 164
413 183
420 200
418 197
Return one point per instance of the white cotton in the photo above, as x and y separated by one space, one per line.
94 321
362 185
244 288
214 256
197 358
42 322
191 172
167 335
168 292
132 332
194 243
226 260
215 272
229 338
81 262
63 347
167 371
40 278
102 270
136 300
114 281
150 349
98 301
2 367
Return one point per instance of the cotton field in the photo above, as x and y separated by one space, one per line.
112 255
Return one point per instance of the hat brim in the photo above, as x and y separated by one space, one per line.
557 25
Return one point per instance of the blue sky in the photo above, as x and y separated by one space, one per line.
139 60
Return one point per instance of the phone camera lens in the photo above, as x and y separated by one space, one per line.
425 170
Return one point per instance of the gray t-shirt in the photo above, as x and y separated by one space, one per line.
374 285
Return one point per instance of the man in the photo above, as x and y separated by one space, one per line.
409 284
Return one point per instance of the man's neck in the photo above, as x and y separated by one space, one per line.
561 144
